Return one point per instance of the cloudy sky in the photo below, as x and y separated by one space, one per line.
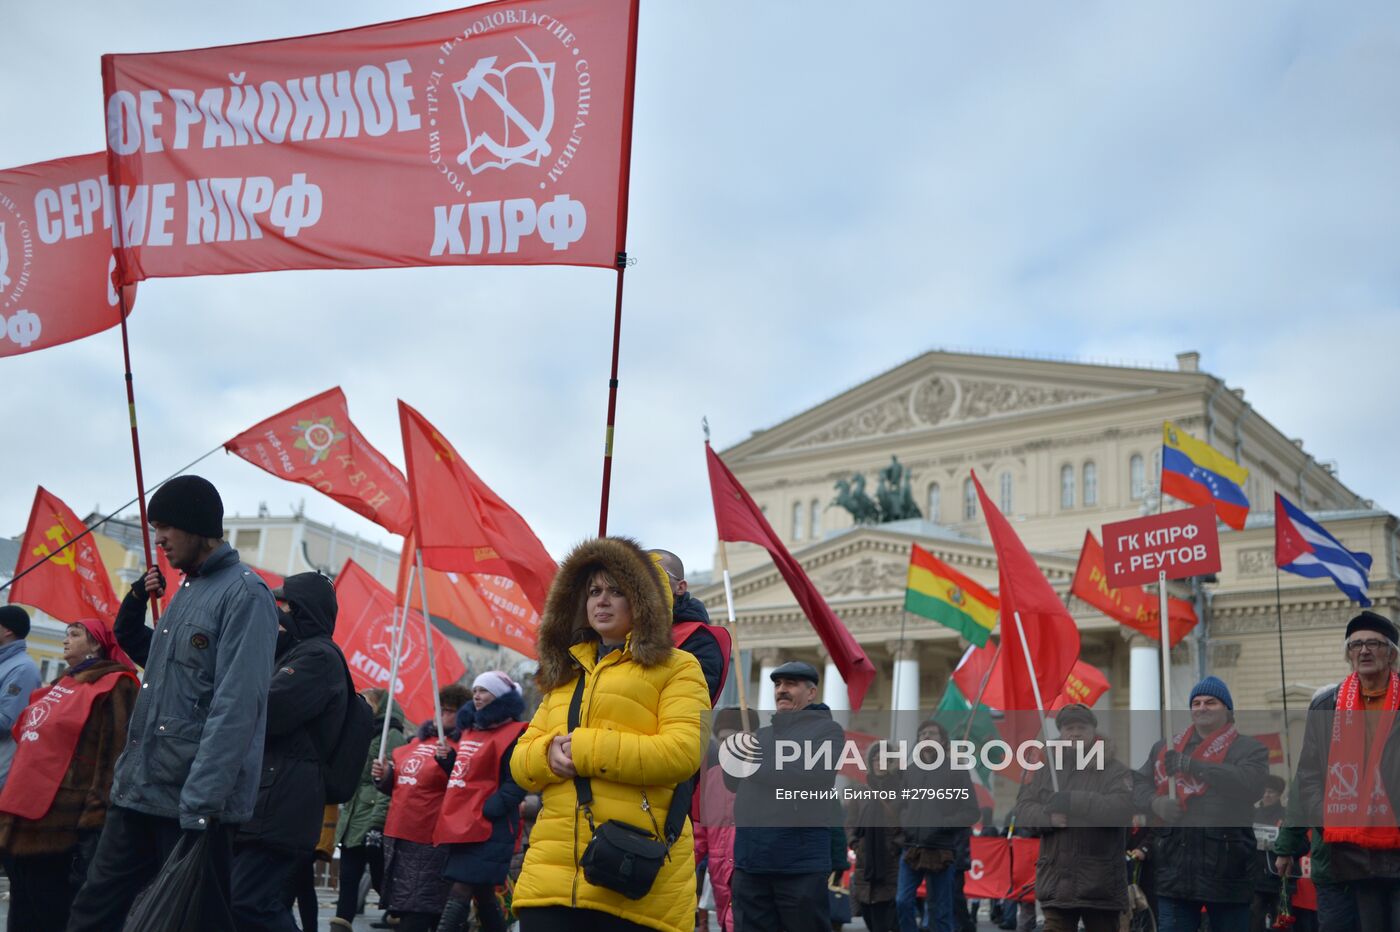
819 192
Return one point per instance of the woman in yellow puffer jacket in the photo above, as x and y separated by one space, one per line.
642 729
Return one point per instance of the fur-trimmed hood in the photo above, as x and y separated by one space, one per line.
564 624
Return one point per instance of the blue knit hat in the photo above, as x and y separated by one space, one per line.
1214 686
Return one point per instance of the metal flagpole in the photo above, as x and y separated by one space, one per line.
898 678
99 522
622 263
400 623
428 636
1035 688
739 672
1282 671
1165 651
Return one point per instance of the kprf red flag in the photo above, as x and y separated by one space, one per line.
73 584
495 134
1029 605
490 607
463 526
56 263
995 874
1084 684
315 443
364 629
1130 605
738 518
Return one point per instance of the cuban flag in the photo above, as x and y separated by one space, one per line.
1303 546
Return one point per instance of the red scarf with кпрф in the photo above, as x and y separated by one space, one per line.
1352 772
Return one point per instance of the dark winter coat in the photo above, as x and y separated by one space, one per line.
196 736
413 880
1209 855
80 806
305 712
872 826
934 823
1080 866
1345 862
488 862
773 836
368 808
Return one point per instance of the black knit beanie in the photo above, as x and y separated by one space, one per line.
189 503
16 619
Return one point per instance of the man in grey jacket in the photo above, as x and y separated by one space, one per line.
194 749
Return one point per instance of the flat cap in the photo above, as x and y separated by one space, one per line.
796 670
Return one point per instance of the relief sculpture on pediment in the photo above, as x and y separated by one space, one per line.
865 577
885 417
984 399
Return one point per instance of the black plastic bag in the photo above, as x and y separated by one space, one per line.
185 895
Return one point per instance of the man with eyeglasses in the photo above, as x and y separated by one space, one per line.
1342 782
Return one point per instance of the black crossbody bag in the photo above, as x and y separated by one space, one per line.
622 857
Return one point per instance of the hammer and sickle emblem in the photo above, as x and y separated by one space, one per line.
1346 780
486 79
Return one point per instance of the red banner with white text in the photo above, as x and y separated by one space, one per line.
56 263
1130 605
364 629
995 874
495 134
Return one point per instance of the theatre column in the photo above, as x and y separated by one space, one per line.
767 660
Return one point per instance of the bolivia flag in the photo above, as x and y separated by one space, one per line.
939 592
1195 472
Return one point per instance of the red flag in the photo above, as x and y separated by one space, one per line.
1131 605
738 518
990 875
492 608
973 669
315 443
495 134
72 585
364 629
462 525
1084 684
1050 633
56 254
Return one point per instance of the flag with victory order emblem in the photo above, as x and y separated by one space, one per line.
315 443
73 584
495 134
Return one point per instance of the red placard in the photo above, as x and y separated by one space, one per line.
56 259
495 134
1179 543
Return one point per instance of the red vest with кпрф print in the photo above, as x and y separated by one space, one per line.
476 774
419 782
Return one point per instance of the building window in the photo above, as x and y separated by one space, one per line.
814 525
1006 493
935 502
248 540
969 500
796 520
1137 477
1091 484
1067 486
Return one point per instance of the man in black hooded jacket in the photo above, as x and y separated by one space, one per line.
305 712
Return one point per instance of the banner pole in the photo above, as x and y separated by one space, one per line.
897 679
982 688
622 263
1164 648
401 622
136 446
739 674
1035 688
1282 670
428 636
99 522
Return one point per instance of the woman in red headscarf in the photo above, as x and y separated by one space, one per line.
54 804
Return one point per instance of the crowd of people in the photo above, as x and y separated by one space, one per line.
608 806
